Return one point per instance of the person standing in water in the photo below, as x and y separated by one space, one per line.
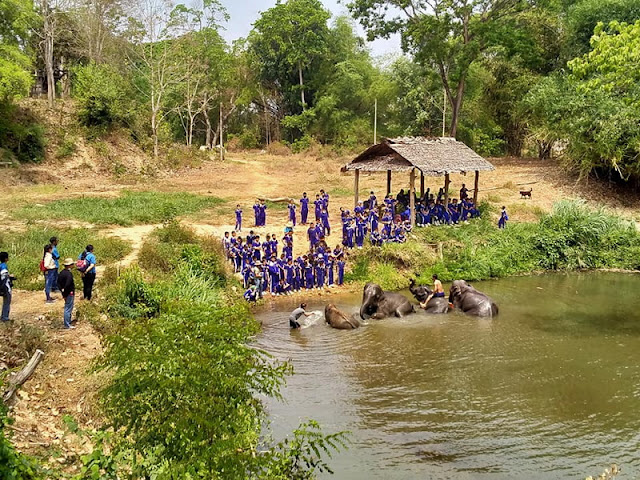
438 291
296 314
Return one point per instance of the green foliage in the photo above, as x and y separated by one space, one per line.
21 134
134 298
25 250
66 148
15 64
571 237
103 95
595 107
14 465
128 209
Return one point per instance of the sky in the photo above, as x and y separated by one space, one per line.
244 12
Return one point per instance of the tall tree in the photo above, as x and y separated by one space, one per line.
16 18
446 34
289 37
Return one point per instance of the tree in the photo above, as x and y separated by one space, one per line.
15 19
446 34
288 38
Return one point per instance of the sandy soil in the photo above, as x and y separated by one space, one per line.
62 383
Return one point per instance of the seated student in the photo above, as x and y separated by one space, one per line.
251 294
454 211
473 211
438 291
375 238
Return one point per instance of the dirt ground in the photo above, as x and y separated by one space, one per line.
63 385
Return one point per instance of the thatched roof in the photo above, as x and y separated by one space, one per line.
432 156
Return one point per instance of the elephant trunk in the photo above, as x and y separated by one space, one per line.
365 308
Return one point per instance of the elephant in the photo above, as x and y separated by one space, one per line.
378 304
422 292
471 301
338 319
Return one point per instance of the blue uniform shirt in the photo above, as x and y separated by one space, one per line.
91 258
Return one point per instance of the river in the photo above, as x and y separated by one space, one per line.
550 389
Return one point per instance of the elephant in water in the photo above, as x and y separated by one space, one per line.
422 292
338 319
378 304
471 301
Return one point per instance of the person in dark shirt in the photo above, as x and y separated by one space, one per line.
68 289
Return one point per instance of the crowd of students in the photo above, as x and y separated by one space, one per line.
266 270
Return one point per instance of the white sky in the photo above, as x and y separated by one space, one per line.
244 12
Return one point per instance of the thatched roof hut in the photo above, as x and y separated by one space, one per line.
430 156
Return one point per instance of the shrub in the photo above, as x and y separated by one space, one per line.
21 134
66 148
14 465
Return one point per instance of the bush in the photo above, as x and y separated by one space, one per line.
66 148
14 465
134 298
102 94
21 134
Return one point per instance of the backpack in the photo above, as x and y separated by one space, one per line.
82 264
42 267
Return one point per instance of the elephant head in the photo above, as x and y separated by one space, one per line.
458 288
420 292
371 296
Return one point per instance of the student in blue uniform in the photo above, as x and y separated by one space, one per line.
324 196
257 248
312 235
320 272
263 213
318 203
308 274
326 227
304 208
274 245
330 271
360 231
256 213
349 235
238 218
373 201
292 213
340 264
502 223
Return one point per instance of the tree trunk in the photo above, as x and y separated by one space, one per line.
456 106
208 139
22 376
154 132
304 103
544 149
48 52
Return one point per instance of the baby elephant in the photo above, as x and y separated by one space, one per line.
338 319
471 301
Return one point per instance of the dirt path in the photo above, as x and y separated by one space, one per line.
60 385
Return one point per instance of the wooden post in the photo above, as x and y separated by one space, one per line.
388 182
412 196
421 185
356 188
446 190
475 188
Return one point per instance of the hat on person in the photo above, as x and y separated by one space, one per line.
68 261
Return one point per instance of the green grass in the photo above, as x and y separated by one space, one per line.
130 208
26 248
571 237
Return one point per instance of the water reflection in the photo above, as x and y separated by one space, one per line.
549 389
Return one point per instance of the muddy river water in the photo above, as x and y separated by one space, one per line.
549 389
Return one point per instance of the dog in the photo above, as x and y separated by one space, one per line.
526 193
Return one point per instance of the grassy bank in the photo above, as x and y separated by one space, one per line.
571 237
26 250
184 378
130 208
